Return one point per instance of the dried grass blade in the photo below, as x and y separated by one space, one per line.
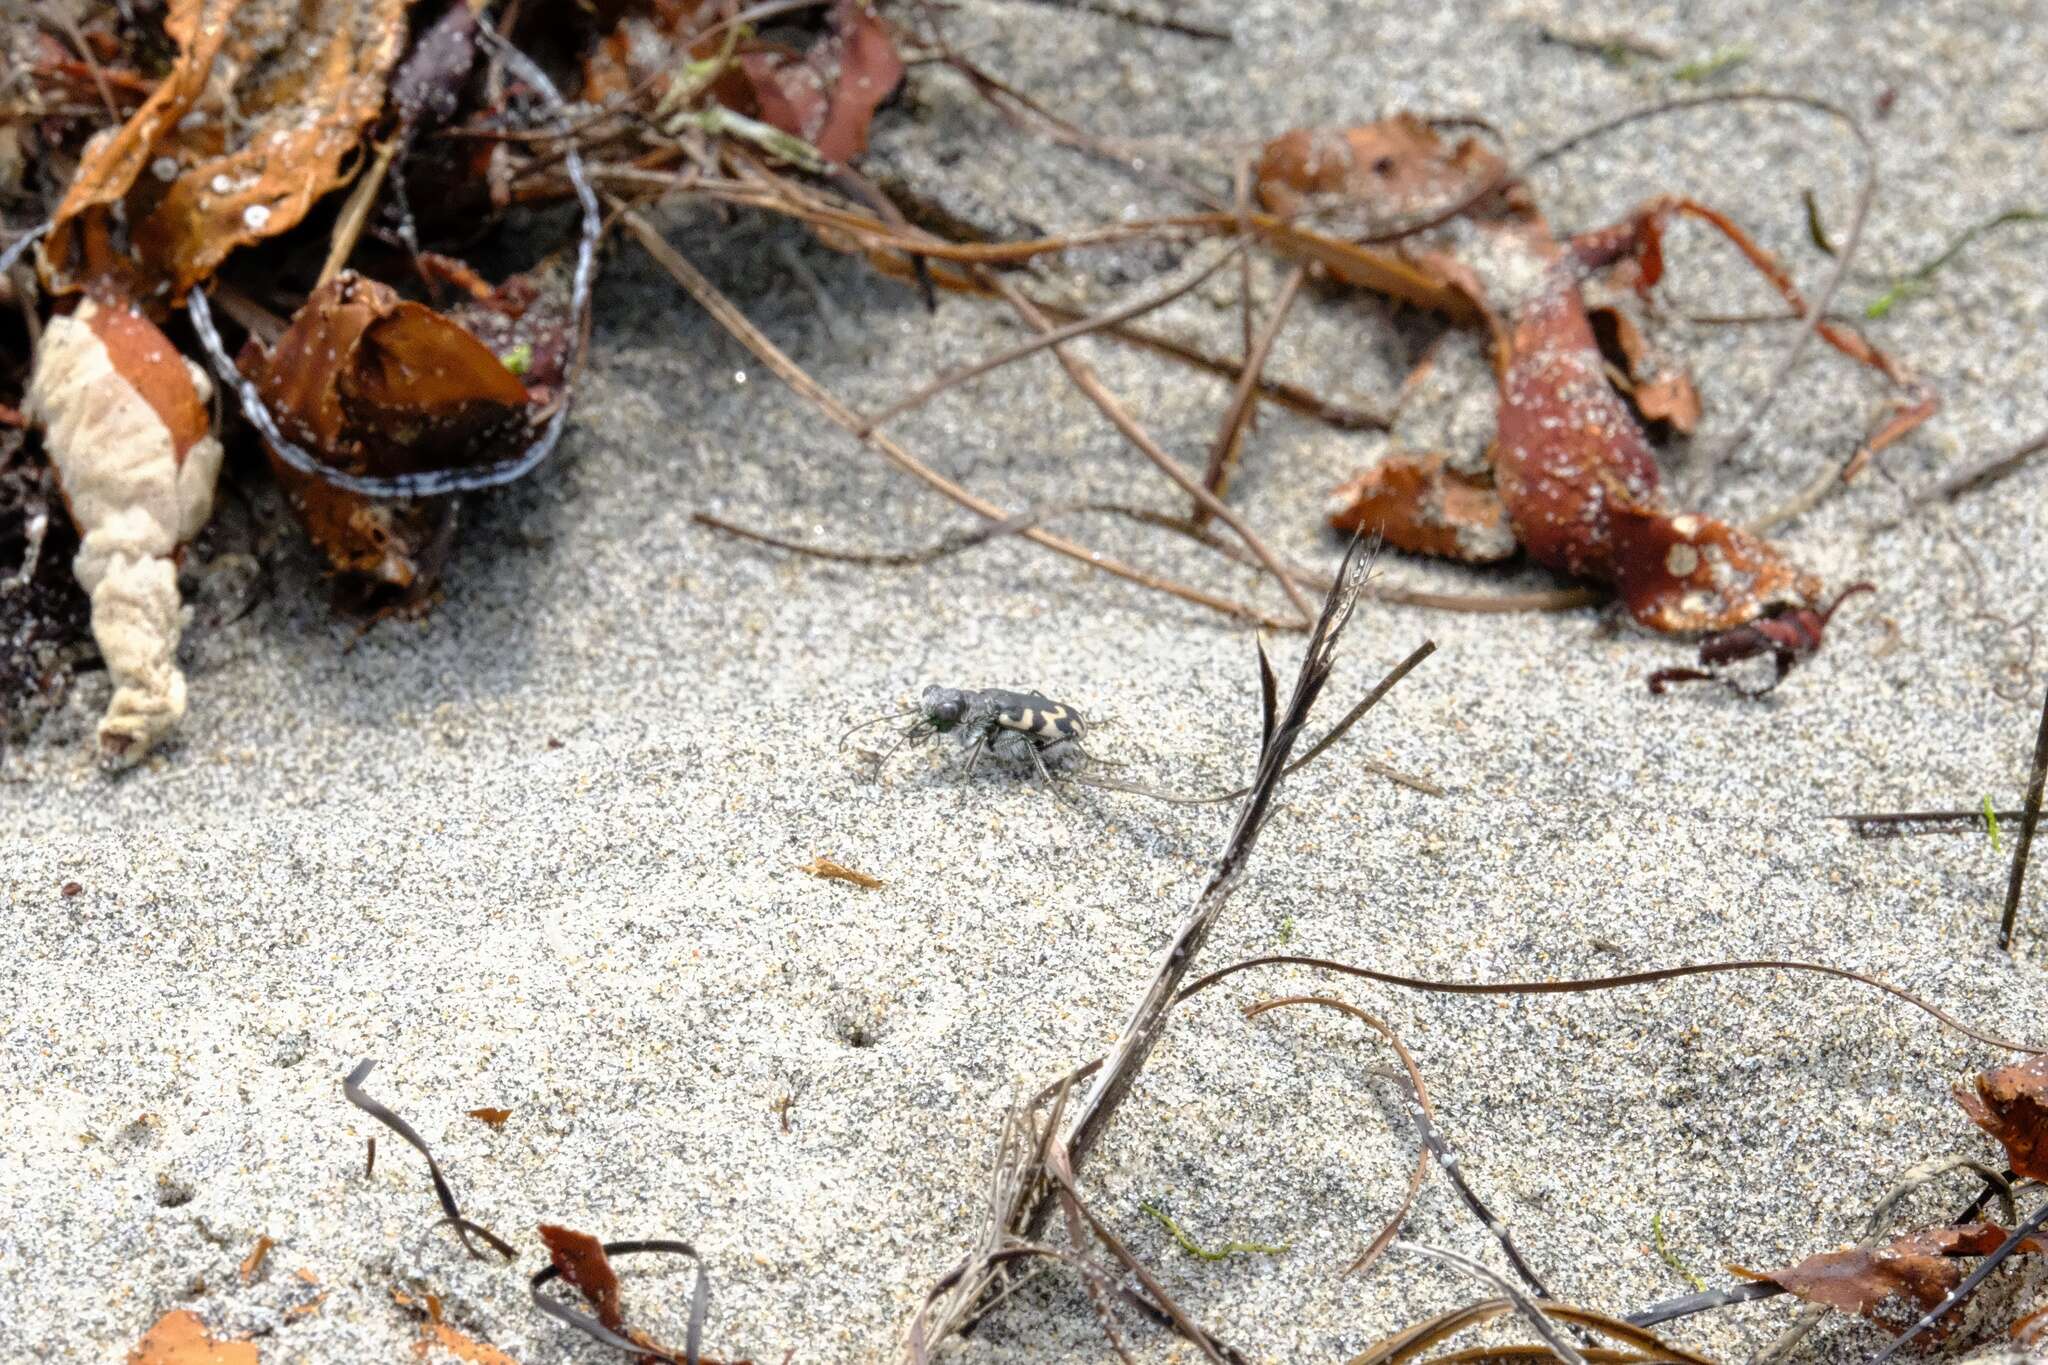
722 309
352 1090
1148 1020
1553 1337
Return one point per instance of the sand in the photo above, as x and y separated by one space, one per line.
542 851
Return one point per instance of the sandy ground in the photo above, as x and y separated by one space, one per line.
541 851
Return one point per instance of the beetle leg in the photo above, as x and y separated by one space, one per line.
1664 677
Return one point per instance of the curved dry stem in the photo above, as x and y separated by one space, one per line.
1609 983
1393 1226
1411 1342
1554 1339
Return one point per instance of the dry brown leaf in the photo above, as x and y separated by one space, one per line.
460 1346
581 1259
828 95
1894 1284
839 872
252 125
179 1338
2011 1104
494 1117
372 384
435 1331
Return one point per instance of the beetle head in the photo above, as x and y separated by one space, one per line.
943 707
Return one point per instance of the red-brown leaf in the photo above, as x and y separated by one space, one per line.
2011 1104
828 95
581 1259
1894 1284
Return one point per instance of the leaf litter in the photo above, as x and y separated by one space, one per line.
820 99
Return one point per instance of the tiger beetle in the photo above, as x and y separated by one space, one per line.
1015 726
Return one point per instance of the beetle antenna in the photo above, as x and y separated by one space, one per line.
897 715
1847 593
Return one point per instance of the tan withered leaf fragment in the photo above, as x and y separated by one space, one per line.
581 1259
252 1264
2011 1104
179 1338
255 121
376 385
1894 1284
839 872
1422 504
127 427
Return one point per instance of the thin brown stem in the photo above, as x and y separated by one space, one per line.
1293 397
729 316
1085 379
1081 327
1223 454
2024 847
356 212
1983 475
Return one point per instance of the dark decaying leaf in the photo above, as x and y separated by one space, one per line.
255 121
427 87
580 1259
2011 1104
1894 1284
352 1090
375 385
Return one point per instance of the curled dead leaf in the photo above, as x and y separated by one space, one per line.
252 125
2011 1104
129 434
377 385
